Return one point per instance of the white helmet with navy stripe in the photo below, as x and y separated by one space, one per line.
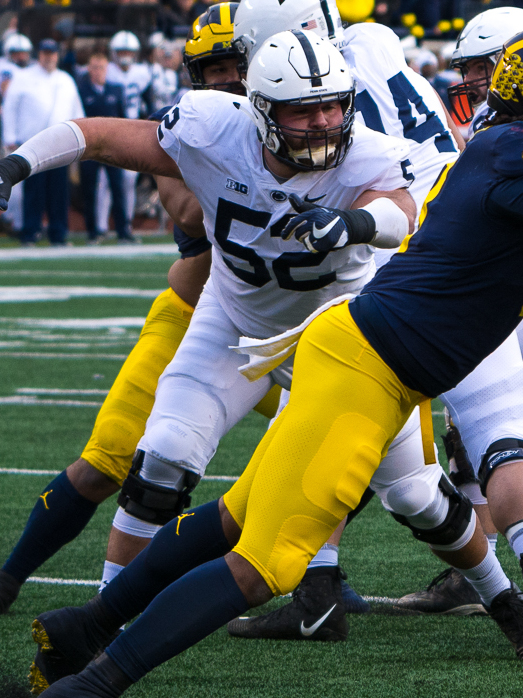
299 67
257 20
17 42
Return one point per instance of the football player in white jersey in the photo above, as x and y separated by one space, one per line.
135 78
106 458
477 48
301 95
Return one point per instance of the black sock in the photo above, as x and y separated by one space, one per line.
60 514
181 545
183 614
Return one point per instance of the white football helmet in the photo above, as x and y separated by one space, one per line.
17 42
483 37
257 20
124 41
299 67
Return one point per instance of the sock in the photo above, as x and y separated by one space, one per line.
183 614
60 515
327 556
487 578
105 677
111 570
492 541
184 543
514 535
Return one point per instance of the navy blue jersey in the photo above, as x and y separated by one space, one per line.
437 310
110 102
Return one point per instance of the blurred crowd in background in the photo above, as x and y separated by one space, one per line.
63 59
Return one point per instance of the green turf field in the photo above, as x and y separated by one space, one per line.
54 374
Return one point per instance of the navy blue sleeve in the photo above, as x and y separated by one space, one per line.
188 246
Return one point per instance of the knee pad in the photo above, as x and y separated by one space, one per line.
461 470
153 503
498 453
411 496
457 520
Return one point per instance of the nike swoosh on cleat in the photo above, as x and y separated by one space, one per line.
316 198
307 632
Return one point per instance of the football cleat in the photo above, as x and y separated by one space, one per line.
316 612
9 590
68 638
100 679
354 603
507 610
448 594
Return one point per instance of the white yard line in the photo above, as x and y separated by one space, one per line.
44 253
59 391
48 355
85 274
36 401
32 294
76 324
27 471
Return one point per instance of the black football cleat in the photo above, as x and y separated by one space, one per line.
68 638
448 594
316 612
100 679
9 590
507 610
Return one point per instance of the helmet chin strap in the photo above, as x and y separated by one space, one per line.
316 155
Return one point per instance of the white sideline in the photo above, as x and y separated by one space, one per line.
28 471
16 253
50 355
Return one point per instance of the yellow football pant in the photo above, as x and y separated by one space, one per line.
121 421
312 467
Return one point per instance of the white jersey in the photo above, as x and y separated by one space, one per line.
135 82
164 84
393 99
264 283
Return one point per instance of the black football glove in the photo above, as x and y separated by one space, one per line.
324 229
13 169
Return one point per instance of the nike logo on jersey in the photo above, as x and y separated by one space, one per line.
316 198
307 632
322 232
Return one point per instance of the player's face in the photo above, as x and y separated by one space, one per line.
478 69
224 75
308 117
125 59
21 58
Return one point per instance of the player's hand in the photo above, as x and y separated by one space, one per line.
13 169
319 229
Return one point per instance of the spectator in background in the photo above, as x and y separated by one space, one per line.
164 80
135 78
102 98
37 97
179 13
